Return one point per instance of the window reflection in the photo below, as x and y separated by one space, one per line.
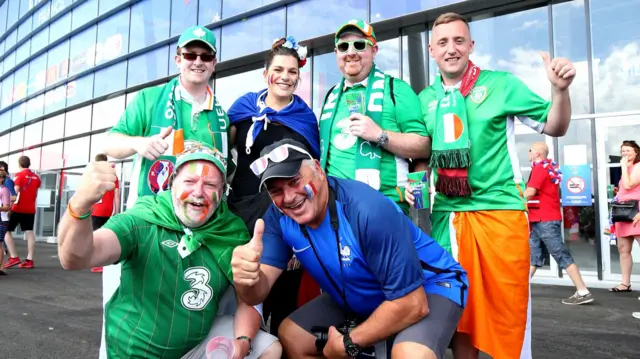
78 121
18 114
55 99
107 113
40 40
83 13
33 134
37 74
304 87
13 163
53 128
311 18
58 63
388 57
615 38
209 12
147 67
83 50
51 157
4 143
183 14
34 156
42 15
75 152
16 140
241 38
113 37
110 79
230 88
108 5
7 91
98 142
20 83
151 17
325 75
80 90
60 27
415 55
570 41
130 97
34 107
234 7
23 51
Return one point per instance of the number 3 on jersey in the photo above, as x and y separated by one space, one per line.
200 293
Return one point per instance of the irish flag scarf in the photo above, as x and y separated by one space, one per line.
368 155
451 146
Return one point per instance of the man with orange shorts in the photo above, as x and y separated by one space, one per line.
479 210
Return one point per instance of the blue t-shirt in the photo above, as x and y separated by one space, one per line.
384 255
8 182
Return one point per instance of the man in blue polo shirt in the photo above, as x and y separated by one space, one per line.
380 274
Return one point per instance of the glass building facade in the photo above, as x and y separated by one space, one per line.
68 68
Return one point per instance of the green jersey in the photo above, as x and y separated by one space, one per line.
497 99
141 118
165 304
404 117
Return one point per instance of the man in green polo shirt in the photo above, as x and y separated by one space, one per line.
175 249
160 118
370 123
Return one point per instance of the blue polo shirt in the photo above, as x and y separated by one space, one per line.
8 182
384 256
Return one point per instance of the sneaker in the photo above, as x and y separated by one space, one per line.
578 299
636 315
28 263
13 261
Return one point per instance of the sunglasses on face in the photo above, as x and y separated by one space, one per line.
190 56
358 45
278 154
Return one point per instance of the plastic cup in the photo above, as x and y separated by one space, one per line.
220 348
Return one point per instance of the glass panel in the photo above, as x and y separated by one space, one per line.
83 51
113 37
84 13
11 39
78 121
304 87
5 123
35 107
42 15
9 62
33 134
51 157
14 12
525 137
24 28
18 114
23 51
183 14
415 53
240 38
80 90
147 67
7 91
152 17
579 222
108 5
53 128
388 57
385 9
75 152
325 75
130 97
237 85
58 63
234 7
16 140
4 144
620 130
58 5
107 113
13 162
40 40
34 156
110 79
20 83
37 74
45 216
60 27
173 68
325 15
55 99
98 141
570 41
615 38
208 12
3 16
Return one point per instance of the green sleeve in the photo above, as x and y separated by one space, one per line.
427 100
408 111
134 121
125 226
520 101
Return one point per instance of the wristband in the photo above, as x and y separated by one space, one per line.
244 337
79 218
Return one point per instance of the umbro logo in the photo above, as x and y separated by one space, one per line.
170 243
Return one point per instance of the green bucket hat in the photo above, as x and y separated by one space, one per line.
360 25
198 33
194 151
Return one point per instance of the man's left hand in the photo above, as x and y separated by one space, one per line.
241 349
335 345
560 71
363 126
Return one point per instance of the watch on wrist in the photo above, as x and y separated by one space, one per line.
383 139
352 349
244 337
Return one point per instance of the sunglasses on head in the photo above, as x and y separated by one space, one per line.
358 45
190 56
278 154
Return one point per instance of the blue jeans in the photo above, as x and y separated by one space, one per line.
549 233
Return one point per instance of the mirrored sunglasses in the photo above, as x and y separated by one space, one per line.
278 154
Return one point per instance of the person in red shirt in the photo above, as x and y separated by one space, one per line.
23 213
108 206
543 199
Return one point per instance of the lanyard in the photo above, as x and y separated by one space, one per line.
335 225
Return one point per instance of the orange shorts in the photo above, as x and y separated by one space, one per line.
493 247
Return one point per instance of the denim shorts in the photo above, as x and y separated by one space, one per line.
549 233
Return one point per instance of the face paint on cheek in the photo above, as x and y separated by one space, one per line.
271 79
310 189
185 194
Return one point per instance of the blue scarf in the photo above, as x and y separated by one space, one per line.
297 116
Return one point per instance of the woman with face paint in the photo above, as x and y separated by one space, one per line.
259 119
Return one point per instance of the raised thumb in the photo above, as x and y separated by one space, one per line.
256 241
545 58
166 132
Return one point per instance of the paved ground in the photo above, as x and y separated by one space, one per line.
47 312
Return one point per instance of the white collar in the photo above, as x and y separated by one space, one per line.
363 83
183 94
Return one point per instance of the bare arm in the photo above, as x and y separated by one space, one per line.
391 317
559 114
116 201
256 294
79 247
122 146
247 323
233 132
530 192
409 145
631 180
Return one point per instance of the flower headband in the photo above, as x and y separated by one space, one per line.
292 43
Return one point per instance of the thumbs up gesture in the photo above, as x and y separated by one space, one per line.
154 146
97 179
245 262
560 71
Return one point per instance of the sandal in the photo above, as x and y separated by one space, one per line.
617 290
